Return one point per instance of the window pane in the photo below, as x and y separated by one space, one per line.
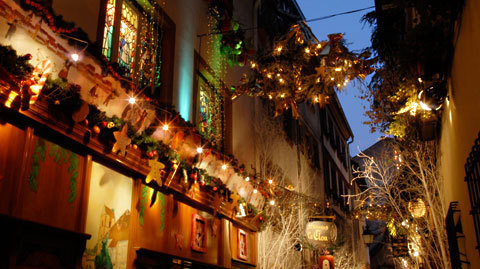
108 31
147 72
127 39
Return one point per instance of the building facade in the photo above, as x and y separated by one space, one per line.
98 169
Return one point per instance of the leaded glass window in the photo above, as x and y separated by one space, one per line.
128 38
210 122
108 30
148 56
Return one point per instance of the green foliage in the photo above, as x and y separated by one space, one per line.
38 154
143 203
18 66
73 169
162 210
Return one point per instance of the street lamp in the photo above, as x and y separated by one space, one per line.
367 236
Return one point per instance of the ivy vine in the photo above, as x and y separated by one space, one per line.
143 202
59 156
38 154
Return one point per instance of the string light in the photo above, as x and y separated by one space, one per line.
75 57
131 100
272 202
255 191
224 166
165 127
199 150
270 181
247 179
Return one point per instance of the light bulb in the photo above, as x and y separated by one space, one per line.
224 167
131 100
75 57
270 181
199 150
255 191
165 127
272 202
247 179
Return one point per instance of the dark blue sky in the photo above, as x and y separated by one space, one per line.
357 36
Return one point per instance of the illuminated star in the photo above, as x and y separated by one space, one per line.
156 171
122 141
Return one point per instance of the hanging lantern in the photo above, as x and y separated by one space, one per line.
417 208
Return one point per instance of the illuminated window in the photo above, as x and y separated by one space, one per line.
210 122
128 38
108 30
131 39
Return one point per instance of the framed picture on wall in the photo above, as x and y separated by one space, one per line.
242 244
199 233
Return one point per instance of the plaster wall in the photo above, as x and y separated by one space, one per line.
461 122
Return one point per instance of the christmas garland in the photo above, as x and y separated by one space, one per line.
17 66
233 43
300 69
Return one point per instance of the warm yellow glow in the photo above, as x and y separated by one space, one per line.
255 191
224 166
331 78
10 99
253 65
131 100
316 99
165 127
272 202
307 50
282 95
270 181
425 106
319 46
279 49
247 179
269 75
281 80
199 150
338 69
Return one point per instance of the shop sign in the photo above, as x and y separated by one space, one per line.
321 232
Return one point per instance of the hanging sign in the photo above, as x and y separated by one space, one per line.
321 232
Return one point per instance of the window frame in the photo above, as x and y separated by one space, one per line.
164 91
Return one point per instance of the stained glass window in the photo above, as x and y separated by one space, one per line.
210 122
127 39
108 31
148 51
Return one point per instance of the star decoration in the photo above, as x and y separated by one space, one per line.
217 201
233 205
320 70
156 171
122 140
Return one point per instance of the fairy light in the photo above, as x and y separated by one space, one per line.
272 202
255 191
247 179
75 57
270 181
199 150
165 127
338 69
279 49
131 100
224 166
307 50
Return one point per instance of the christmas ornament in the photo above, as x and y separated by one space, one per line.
156 172
96 129
122 140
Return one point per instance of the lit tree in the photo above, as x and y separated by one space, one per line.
286 219
406 190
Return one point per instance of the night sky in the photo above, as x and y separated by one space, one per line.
357 36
